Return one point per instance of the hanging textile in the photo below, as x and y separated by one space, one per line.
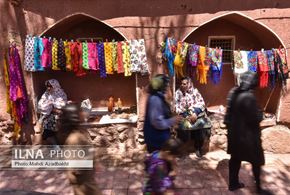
108 57
168 54
17 90
85 56
271 66
252 61
75 49
46 54
29 54
114 56
93 56
100 47
193 54
263 69
61 61
120 58
138 56
38 50
240 64
68 59
202 67
54 55
281 63
180 57
126 58
215 58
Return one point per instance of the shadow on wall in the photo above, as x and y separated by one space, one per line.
113 9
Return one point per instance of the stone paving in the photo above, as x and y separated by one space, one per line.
207 176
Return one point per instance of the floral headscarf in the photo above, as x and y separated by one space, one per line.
55 98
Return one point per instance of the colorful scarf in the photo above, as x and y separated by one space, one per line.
263 69
215 58
29 54
54 55
61 56
108 57
46 54
179 59
281 64
252 61
101 57
93 56
126 58
271 66
68 62
240 64
115 56
85 56
203 66
38 50
120 58
193 55
168 54
138 56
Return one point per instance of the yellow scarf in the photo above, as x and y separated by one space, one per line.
67 56
108 57
114 56
126 58
54 55
179 59
202 67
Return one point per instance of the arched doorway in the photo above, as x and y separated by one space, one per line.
90 86
244 33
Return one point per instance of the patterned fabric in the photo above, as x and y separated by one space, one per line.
55 98
68 59
54 55
120 58
240 62
193 54
168 54
85 56
108 57
101 57
263 69
138 56
46 54
281 64
203 66
126 58
188 101
115 56
38 49
17 90
215 61
271 66
252 61
158 180
61 61
179 59
29 54
93 56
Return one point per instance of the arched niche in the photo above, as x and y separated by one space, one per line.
90 86
248 34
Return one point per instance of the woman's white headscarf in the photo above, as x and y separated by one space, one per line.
55 98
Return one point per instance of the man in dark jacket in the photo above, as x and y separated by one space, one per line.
244 135
158 117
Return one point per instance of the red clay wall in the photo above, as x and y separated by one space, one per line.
149 20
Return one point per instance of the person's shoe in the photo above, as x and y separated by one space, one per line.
236 186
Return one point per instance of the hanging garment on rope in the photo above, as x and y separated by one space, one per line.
100 47
203 66
38 49
215 57
253 61
281 60
46 54
138 56
271 65
93 56
61 61
68 59
114 56
168 54
85 56
193 55
29 54
263 69
76 55
240 64
120 58
179 59
108 57
54 55
126 58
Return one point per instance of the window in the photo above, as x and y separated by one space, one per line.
226 43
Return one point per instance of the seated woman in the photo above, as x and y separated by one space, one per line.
190 104
49 106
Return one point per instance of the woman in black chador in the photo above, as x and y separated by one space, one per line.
244 135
